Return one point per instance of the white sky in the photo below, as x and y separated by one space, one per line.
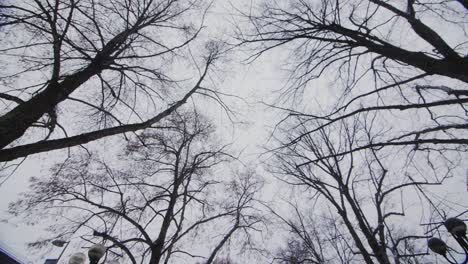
252 82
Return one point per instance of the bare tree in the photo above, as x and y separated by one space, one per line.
381 57
247 219
353 207
156 207
391 122
110 62
296 252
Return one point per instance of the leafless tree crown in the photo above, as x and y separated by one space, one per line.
112 63
153 209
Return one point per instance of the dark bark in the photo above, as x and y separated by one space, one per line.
223 241
48 145
379 145
77 45
451 66
14 123
158 245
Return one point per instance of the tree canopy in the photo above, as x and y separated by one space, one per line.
365 156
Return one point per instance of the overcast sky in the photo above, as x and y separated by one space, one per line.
249 128
253 82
